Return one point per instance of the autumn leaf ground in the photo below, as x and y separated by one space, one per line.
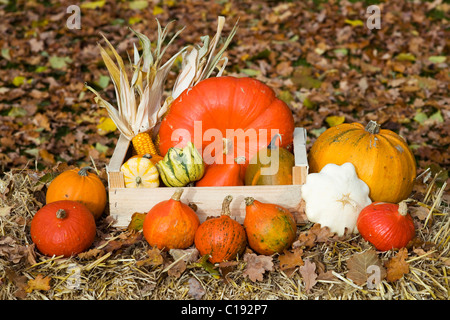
316 55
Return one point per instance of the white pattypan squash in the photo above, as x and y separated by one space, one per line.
334 197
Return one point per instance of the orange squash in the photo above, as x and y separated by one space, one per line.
270 166
63 227
381 157
386 225
154 158
270 228
221 237
79 185
223 174
171 224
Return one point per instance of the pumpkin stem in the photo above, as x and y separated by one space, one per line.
272 144
177 194
138 180
226 206
373 127
249 201
402 208
84 171
61 214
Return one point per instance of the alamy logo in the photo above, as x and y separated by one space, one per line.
74 21
375 276
374 19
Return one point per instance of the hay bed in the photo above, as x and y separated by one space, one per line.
116 275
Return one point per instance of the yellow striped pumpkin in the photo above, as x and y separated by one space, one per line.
140 172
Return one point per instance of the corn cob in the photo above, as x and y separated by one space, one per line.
143 144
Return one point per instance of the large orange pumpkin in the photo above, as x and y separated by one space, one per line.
226 105
381 157
79 185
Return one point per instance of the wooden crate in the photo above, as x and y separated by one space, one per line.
123 202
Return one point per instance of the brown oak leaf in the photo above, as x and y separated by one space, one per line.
308 272
397 266
358 266
154 258
256 266
291 259
315 234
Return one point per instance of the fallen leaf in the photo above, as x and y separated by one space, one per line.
187 255
138 4
291 259
315 234
358 263
18 81
334 120
397 266
437 59
93 4
59 62
154 258
137 221
405 57
39 283
354 23
256 266
226 267
11 250
196 289
308 272
19 281
208 266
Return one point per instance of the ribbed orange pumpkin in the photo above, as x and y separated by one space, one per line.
171 224
63 227
382 158
270 228
229 106
79 185
221 237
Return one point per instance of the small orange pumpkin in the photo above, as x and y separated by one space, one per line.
221 237
270 228
79 185
381 157
63 227
386 225
171 224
